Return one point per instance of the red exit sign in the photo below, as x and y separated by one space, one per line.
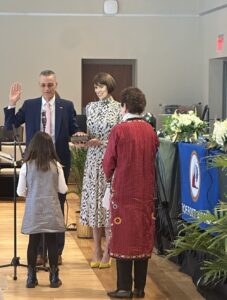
220 43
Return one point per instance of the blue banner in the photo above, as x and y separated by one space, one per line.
199 184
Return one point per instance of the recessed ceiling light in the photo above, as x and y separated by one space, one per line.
110 7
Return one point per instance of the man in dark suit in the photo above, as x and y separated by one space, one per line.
62 121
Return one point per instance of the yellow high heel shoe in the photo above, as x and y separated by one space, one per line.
105 265
95 264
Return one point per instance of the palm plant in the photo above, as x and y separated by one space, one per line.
78 158
211 241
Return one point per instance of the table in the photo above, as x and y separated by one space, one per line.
193 187
6 179
199 183
168 206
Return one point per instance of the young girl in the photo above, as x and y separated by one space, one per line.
41 178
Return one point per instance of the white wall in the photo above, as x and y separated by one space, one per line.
212 24
166 43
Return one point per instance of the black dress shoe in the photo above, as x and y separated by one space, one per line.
138 293
120 294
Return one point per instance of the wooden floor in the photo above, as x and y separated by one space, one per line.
79 280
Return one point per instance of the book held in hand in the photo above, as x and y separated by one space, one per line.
79 139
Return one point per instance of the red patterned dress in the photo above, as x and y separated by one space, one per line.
130 161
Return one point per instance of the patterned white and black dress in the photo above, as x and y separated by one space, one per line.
101 117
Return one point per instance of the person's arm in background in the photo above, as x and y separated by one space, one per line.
10 117
110 157
73 126
21 187
62 187
92 142
14 94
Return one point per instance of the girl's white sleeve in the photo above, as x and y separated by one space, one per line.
21 187
62 187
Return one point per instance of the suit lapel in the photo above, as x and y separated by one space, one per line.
37 116
58 116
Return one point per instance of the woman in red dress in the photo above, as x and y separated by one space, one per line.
129 164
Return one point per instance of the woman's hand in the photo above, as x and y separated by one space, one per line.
93 143
79 139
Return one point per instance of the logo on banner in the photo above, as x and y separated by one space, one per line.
195 176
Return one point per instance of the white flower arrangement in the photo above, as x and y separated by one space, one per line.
183 127
219 135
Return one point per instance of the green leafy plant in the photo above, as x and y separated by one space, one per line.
78 158
218 161
211 241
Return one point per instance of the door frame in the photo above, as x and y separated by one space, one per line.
121 62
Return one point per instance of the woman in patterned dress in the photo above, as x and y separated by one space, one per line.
102 115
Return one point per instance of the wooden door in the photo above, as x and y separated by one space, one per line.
123 74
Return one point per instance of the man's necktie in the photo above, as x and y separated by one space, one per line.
48 116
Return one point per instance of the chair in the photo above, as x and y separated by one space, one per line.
8 135
205 113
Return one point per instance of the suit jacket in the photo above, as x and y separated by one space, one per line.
65 124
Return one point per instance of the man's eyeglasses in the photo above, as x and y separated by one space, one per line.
49 85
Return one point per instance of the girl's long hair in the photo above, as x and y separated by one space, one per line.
41 150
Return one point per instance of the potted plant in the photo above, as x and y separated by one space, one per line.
78 158
185 127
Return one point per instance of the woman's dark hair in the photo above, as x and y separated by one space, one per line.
106 79
134 100
41 150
